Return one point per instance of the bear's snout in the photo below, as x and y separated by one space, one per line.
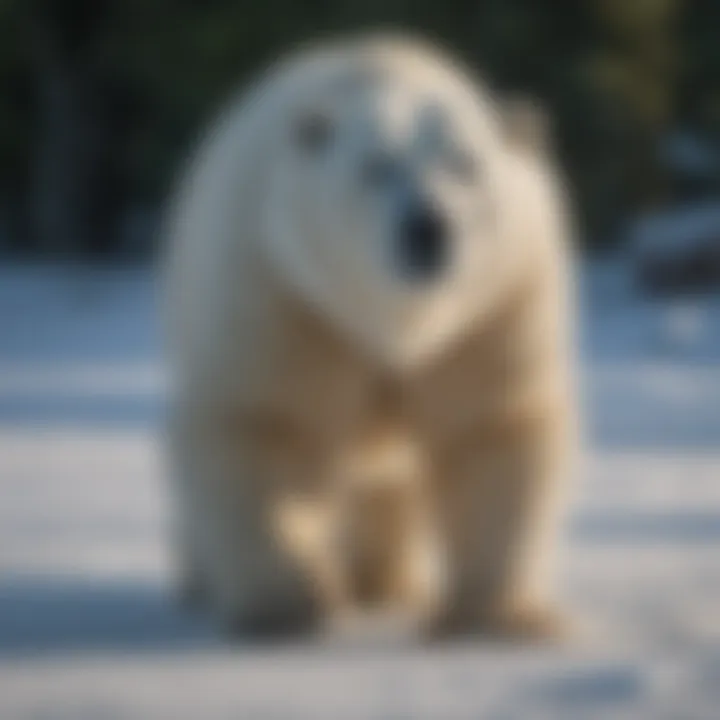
422 241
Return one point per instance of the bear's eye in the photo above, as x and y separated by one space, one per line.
313 132
380 169
463 166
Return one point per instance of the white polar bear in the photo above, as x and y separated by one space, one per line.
368 268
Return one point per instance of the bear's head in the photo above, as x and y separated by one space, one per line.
389 197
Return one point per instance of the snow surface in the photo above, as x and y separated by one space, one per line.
677 230
89 629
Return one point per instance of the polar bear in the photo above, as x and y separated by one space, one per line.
369 329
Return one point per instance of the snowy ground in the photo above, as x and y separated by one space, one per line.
88 628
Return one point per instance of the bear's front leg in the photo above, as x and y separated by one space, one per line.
499 498
258 519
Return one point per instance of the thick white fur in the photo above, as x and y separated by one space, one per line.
244 251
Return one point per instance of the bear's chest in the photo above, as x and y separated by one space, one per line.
311 377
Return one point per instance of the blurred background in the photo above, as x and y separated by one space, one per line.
100 97
99 101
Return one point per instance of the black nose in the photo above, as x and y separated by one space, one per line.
423 242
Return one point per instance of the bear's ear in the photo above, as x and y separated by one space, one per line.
313 131
525 123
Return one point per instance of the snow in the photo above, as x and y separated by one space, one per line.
678 229
89 629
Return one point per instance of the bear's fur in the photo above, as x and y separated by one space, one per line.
342 436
